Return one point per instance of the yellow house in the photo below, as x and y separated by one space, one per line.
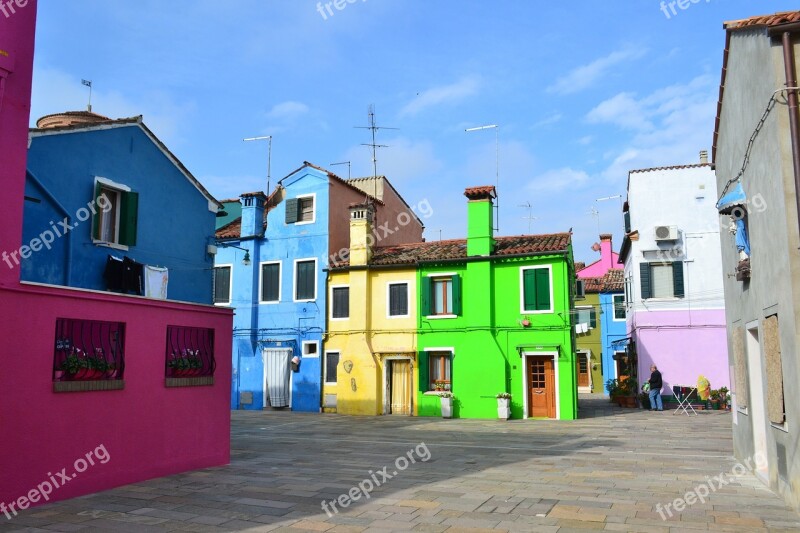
370 345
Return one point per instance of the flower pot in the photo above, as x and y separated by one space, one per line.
447 407
503 408
629 401
715 405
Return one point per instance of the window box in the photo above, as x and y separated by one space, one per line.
189 355
88 351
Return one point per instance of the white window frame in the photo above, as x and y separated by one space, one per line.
522 290
586 308
230 285
452 351
294 279
450 275
330 297
313 197
118 188
389 314
261 282
325 367
303 353
614 308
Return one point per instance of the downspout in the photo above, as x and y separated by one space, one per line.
794 124
67 217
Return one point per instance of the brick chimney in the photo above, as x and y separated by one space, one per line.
480 220
606 256
253 213
361 239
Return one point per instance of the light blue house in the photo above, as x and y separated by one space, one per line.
613 330
271 267
97 187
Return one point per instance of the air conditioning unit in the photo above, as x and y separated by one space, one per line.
666 233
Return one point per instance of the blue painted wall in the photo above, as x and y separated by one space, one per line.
174 222
286 323
612 330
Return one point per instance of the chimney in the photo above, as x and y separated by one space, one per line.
703 157
253 214
606 258
480 220
361 239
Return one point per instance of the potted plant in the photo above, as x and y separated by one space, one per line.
723 398
446 399
628 390
503 406
612 386
715 399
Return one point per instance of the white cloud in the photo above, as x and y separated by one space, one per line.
586 76
552 118
288 110
586 140
622 110
444 94
558 180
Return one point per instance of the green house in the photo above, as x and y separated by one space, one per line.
495 316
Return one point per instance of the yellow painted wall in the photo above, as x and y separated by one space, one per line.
368 338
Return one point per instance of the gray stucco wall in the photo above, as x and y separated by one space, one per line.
755 71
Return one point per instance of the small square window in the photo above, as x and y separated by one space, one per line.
310 349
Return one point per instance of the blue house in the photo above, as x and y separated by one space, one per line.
271 267
613 330
98 190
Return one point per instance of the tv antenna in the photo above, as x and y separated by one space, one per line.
596 215
343 163
374 128
530 218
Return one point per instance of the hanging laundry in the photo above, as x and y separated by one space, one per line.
113 274
155 282
132 276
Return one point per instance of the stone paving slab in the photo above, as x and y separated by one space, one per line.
613 470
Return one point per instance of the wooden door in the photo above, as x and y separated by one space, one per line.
541 388
582 362
400 387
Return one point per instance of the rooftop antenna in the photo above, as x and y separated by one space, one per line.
596 215
496 129
88 83
343 163
529 218
374 128
269 156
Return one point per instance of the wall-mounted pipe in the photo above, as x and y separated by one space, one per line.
794 122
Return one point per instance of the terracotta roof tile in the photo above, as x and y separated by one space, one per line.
478 193
579 265
231 230
614 280
783 17
592 285
422 252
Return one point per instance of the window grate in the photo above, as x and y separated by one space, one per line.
190 352
88 350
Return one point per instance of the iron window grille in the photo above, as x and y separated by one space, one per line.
88 350
190 352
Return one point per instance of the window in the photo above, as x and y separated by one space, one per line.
222 285
300 210
439 366
116 213
190 354
305 280
536 294
661 280
270 282
310 348
586 315
619 306
340 302
88 351
398 299
441 295
331 367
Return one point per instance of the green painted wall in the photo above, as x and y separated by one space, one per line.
487 333
592 340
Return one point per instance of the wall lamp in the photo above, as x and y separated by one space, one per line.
246 261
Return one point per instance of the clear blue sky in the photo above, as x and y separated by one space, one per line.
583 91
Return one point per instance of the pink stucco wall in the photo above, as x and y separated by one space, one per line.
146 429
608 260
683 352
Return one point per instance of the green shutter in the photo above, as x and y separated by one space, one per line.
677 279
542 289
627 218
96 217
292 210
456 294
646 281
425 296
128 218
529 289
593 318
422 370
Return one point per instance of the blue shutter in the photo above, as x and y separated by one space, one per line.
677 279
646 280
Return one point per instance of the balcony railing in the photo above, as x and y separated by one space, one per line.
190 356
88 351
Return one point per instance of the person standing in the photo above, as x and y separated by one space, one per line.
655 389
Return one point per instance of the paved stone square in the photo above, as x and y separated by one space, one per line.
607 471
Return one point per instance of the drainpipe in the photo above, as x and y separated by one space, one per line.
794 124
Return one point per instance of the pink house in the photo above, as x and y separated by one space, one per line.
608 260
67 437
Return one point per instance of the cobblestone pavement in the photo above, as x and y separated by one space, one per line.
613 470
